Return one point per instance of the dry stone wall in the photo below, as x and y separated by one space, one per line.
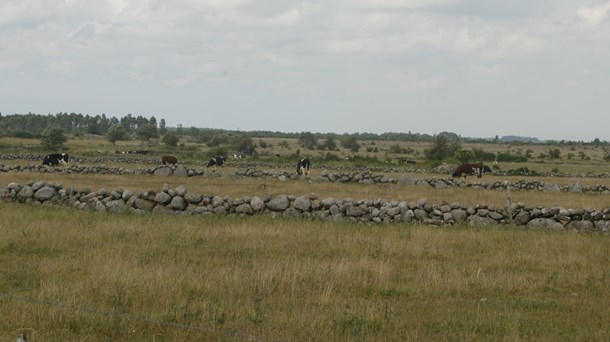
179 201
362 177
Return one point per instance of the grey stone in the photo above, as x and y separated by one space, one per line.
116 206
575 187
279 203
257 204
244 209
163 198
479 221
178 203
459 215
544 223
126 195
180 171
302 203
37 185
26 192
550 187
193 197
163 171
580 225
45 193
181 190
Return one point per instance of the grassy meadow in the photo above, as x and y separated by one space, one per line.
69 275
74 275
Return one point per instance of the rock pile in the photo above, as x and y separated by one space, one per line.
179 201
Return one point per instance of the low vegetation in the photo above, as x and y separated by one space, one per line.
72 275
78 275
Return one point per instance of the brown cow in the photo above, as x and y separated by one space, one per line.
169 160
468 169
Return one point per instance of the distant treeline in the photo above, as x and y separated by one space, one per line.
33 125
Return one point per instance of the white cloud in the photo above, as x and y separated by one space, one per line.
313 51
293 15
595 14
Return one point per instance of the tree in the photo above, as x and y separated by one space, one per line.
170 139
555 153
330 144
115 133
162 128
441 148
147 131
53 138
244 144
464 156
351 142
307 140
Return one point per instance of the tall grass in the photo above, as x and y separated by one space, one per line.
73 275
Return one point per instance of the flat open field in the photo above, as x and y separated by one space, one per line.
74 275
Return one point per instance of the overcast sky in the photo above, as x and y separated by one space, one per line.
479 68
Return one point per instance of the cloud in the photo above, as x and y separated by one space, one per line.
595 14
62 67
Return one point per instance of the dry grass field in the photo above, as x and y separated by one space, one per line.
84 276
81 276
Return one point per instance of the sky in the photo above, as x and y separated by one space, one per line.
478 68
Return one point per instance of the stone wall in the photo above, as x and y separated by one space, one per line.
362 177
179 201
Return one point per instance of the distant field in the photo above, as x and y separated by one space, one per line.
72 275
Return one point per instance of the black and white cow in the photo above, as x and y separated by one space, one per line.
216 161
303 166
55 159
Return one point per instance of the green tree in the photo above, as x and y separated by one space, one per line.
441 148
115 133
396 149
170 139
351 142
464 156
53 138
330 144
162 128
307 140
555 153
244 144
147 131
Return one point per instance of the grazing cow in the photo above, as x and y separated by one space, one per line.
237 156
216 161
411 161
468 169
142 152
119 152
277 155
55 159
303 166
169 160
